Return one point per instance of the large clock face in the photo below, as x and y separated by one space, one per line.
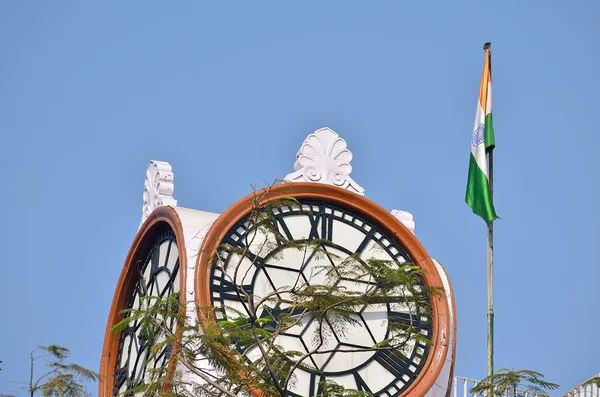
156 274
338 233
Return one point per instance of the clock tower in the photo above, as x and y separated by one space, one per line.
181 250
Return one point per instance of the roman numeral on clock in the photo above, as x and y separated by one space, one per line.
321 226
365 242
120 378
228 290
403 320
361 385
283 227
392 362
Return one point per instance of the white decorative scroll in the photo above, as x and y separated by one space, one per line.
324 158
158 187
406 218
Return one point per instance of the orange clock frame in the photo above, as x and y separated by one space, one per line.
369 210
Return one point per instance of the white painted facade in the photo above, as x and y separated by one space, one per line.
443 383
324 158
158 188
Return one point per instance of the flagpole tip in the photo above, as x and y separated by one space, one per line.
487 46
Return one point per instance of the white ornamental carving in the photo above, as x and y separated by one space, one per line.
406 218
324 158
158 187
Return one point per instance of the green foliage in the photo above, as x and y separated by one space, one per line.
242 349
512 383
593 381
60 379
332 389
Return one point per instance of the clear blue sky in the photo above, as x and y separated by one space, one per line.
227 91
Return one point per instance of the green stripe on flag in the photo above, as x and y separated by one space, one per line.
478 195
490 140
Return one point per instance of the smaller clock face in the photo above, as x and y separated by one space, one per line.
338 234
157 274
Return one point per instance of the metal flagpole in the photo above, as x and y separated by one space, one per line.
490 276
490 256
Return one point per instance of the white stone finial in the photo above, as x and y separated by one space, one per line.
406 218
324 158
158 187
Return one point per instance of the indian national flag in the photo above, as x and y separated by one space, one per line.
478 196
